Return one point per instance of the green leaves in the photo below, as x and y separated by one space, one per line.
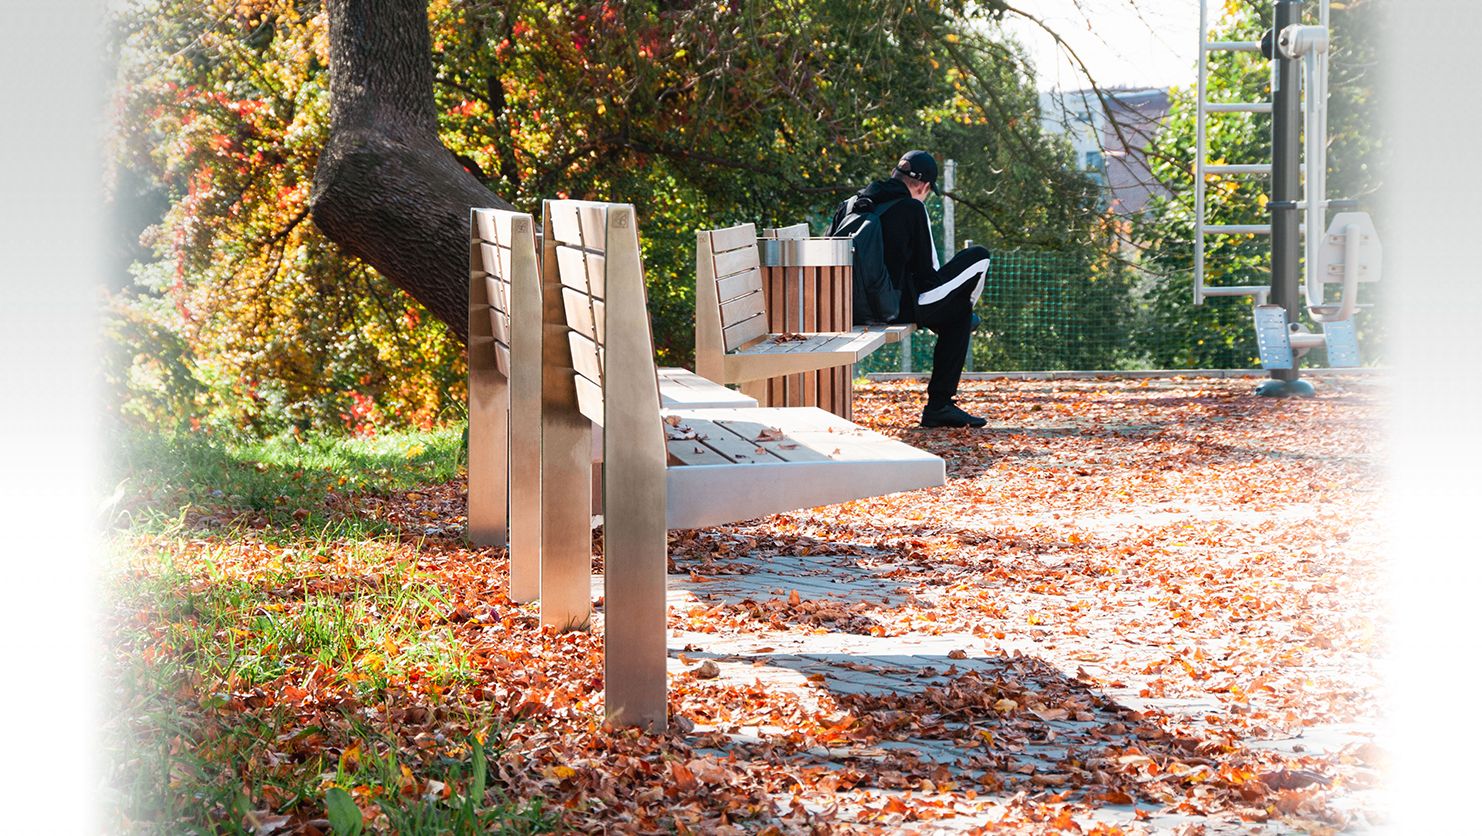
344 816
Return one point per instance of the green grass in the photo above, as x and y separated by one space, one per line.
240 584
157 478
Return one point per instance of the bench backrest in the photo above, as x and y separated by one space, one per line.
489 260
730 306
592 263
503 292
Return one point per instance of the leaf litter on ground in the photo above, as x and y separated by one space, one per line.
1167 586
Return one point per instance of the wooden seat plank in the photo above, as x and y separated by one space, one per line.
744 331
582 270
742 308
740 284
579 313
724 441
693 453
733 237
736 261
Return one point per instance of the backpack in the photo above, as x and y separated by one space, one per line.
876 297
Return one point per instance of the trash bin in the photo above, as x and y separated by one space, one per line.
808 283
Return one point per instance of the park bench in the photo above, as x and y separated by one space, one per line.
749 330
662 469
503 407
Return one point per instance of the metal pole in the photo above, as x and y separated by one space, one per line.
1200 93
949 232
1286 123
949 211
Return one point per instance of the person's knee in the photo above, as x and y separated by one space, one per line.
978 252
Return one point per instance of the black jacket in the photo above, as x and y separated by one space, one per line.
906 236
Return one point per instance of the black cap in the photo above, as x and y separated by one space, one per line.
919 165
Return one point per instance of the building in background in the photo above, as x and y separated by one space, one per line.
1110 141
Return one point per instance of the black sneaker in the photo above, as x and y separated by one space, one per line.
948 415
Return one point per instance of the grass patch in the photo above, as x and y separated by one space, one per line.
245 674
157 478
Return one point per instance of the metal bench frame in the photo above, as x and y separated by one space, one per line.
658 472
504 398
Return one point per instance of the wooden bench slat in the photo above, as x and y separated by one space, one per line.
793 450
733 238
565 222
593 225
501 358
498 291
589 400
722 440
740 284
599 312
579 316
693 453
742 308
581 270
816 342
736 261
483 224
495 258
683 389
798 230
499 325
742 332
584 357
493 226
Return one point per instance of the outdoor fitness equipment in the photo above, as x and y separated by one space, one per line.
1347 253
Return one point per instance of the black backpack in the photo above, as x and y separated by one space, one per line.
876 297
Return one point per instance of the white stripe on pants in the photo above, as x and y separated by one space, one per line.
977 270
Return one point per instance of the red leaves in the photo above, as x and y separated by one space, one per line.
1056 577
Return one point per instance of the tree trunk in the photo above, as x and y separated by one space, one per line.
386 189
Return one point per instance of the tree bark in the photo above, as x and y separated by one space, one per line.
386 190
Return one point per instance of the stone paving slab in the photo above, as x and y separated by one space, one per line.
850 663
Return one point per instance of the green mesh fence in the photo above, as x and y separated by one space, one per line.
1056 311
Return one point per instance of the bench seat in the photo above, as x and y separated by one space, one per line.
893 333
735 464
683 389
775 355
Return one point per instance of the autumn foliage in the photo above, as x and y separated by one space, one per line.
1139 606
234 314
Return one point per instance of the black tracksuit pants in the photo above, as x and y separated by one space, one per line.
947 310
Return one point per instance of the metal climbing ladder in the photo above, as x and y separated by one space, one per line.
1203 168
1347 253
